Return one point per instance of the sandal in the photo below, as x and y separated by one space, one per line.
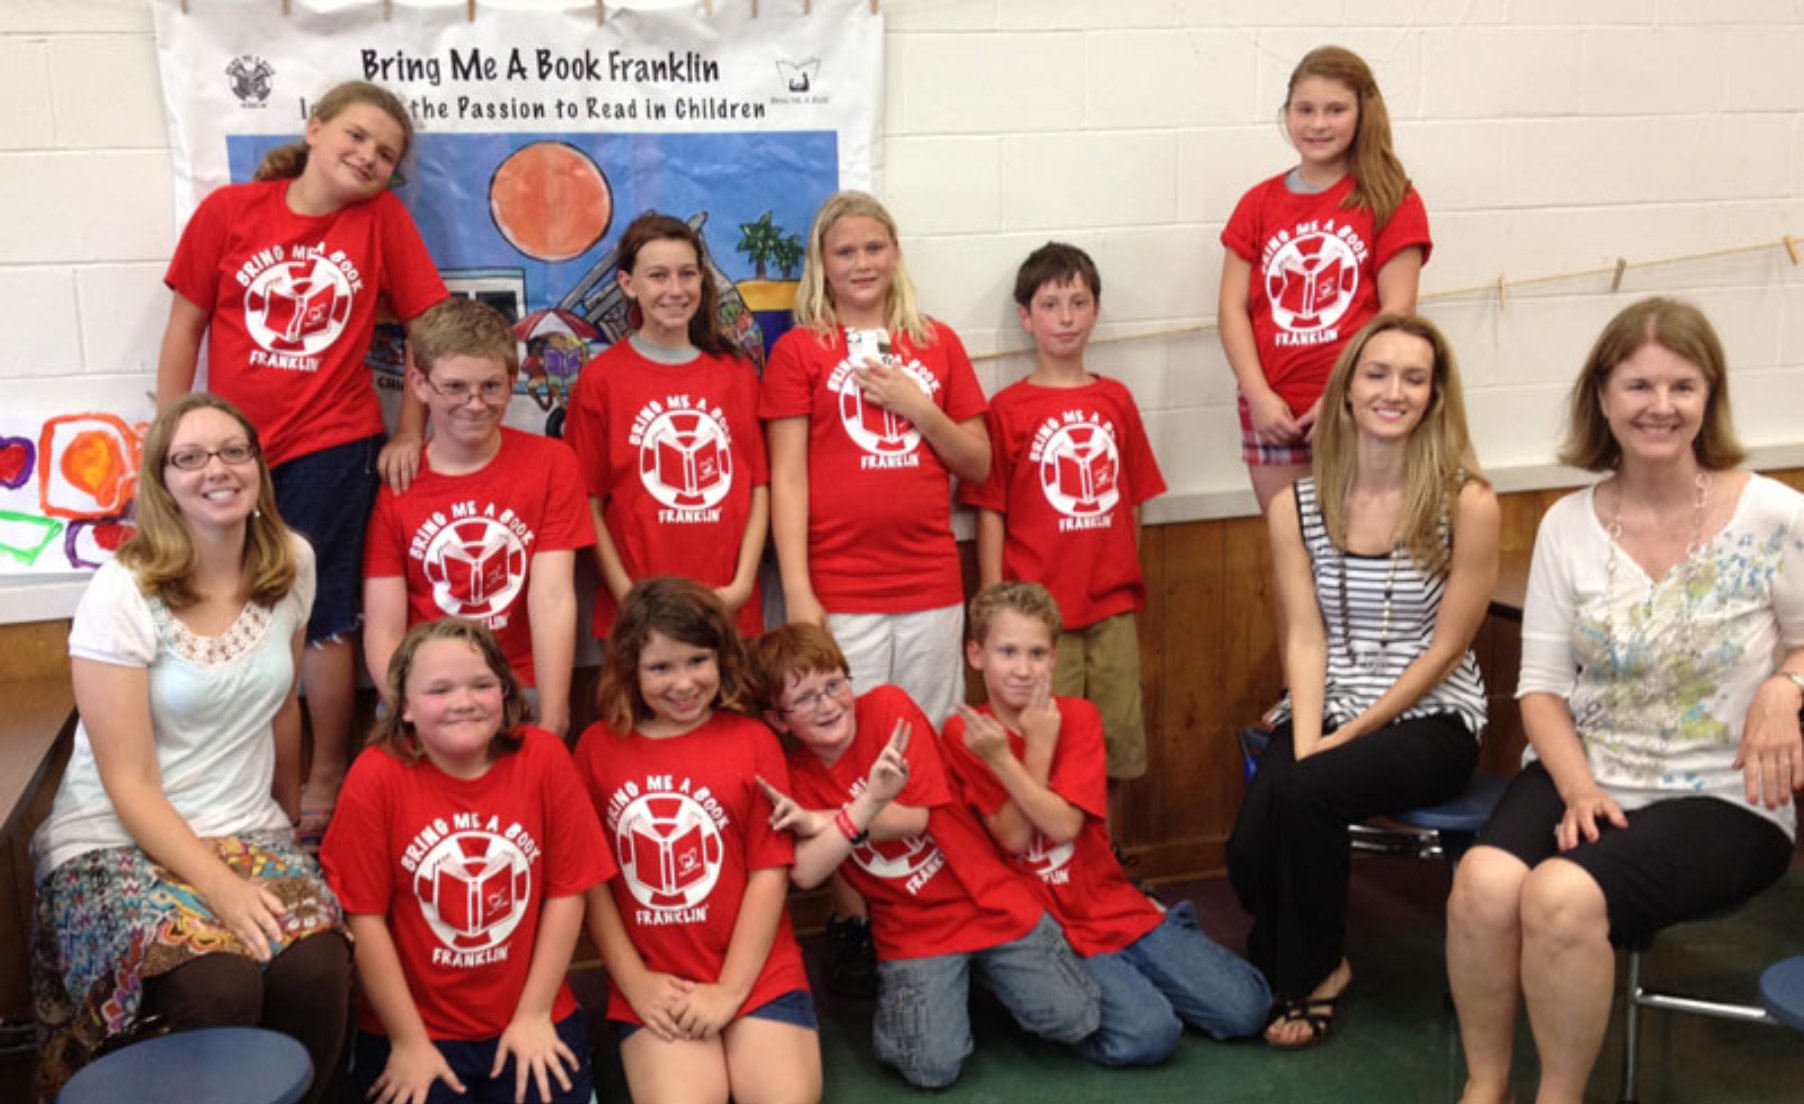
1316 1013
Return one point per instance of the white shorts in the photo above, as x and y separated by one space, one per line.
921 652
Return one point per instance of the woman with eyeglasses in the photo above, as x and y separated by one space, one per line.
171 891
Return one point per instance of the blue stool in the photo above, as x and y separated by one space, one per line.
1636 996
215 1065
1782 991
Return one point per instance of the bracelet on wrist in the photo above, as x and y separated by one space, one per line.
843 821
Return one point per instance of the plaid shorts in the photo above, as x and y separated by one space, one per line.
1255 451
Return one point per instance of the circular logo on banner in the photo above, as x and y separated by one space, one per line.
473 889
670 850
1311 282
685 460
298 307
476 566
1080 470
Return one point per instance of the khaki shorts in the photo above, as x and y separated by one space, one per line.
1101 662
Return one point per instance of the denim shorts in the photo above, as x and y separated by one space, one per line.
794 1007
327 496
473 1059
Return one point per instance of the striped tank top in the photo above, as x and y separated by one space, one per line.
1368 651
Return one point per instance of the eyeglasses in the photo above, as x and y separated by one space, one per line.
194 459
491 392
812 701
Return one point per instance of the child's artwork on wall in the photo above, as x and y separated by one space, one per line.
68 477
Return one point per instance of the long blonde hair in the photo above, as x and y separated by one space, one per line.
814 308
1379 182
289 161
161 554
1439 459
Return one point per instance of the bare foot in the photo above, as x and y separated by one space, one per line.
1309 1019
1473 1094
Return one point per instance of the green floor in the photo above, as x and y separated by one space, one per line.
1395 1040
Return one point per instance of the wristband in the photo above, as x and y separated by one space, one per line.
843 821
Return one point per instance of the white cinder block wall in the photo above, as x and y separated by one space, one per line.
1546 136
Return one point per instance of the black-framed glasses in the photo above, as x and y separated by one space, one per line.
811 702
490 392
194 459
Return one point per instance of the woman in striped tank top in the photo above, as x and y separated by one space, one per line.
1384 561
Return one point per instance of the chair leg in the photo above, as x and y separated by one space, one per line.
1631 1030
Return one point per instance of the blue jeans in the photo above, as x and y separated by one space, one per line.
471 1061
923 1024
1172 976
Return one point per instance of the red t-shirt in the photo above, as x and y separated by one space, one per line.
1092 899
291 302
879 499
459 869
688 825
1068 467
941 892
465 543
1315 275
674 451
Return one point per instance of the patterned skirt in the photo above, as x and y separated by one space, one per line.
109 920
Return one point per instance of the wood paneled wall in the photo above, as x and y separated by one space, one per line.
1209 666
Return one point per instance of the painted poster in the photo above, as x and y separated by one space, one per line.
544 128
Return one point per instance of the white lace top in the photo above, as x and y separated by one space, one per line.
212 704
1659 688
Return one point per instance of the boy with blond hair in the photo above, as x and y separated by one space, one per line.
1030 764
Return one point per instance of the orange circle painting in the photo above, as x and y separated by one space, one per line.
551 201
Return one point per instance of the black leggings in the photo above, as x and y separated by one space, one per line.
1289 858
303 993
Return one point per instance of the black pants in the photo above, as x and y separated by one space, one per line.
1289 857
304 993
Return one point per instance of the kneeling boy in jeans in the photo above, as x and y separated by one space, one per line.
942 903
1031 765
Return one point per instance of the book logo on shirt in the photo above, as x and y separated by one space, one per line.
476 562
911 860
473 878
1311 276
1051 863
667 839
297 301
1080 468
685 458
888 439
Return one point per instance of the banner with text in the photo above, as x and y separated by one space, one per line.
543 130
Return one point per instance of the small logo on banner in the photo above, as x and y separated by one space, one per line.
798 76
252 79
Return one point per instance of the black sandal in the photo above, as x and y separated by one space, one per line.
1317 1013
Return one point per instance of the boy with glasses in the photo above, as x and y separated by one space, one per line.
943 905
490 526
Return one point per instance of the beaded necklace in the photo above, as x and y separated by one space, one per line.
1367 657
